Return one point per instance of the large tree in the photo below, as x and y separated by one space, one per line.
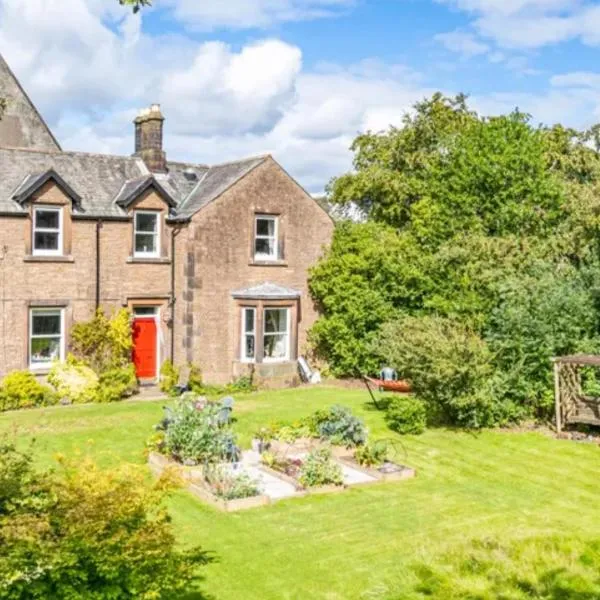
492 223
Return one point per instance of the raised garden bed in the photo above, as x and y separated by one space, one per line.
194 478
389 471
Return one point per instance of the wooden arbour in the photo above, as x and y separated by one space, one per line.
572 405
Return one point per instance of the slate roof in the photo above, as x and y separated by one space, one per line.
106 183
267 290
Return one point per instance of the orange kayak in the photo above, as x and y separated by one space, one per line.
402 386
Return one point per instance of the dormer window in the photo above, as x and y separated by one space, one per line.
266 237
146 234
47 231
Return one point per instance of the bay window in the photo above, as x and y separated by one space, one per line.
248 334
46 337
276 334
47 231
146 227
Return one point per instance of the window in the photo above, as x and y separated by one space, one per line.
146 234
265 238
248 334
47 231
46 337
276 335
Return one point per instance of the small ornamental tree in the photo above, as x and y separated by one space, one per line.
104 343
81 533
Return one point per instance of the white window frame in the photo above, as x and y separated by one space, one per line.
246 333
288 334
34 229
140 254
34 366
258 256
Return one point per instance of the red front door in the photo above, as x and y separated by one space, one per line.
144 347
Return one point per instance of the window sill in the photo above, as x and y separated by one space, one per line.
149 261
48 259
268 263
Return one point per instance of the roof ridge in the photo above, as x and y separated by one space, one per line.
181 163
70 152
242 160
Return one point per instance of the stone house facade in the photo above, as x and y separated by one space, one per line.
212 261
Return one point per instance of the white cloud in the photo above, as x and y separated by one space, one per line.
246 14
533 23
462 43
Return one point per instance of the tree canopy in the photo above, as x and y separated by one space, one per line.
489 223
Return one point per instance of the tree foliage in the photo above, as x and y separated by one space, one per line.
490 223
81 533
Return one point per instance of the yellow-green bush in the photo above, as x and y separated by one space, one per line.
103 343
21 389
74 381
169 376
88 534
116 384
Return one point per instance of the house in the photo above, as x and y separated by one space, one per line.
212 261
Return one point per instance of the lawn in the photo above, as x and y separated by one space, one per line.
359 544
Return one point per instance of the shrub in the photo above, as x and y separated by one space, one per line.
320 469
195 381
339 426
74 381
449 366
192 435
406 414
103 343
169 377
82 533
20 389
116 384
229 485
372 454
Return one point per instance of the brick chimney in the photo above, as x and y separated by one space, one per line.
149 138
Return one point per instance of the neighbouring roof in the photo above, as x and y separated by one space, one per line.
268 291
107 184
21 125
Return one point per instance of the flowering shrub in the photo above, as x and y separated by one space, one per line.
73 381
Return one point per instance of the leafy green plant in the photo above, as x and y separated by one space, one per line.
116 384
169 377
74 381
319 469
229 485
103 343
80 532
406 414
21 389
192 434
372 454
338 425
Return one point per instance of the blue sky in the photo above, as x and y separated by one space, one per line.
297 78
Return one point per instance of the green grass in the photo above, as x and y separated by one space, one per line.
362 543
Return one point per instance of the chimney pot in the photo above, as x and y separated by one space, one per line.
149 138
